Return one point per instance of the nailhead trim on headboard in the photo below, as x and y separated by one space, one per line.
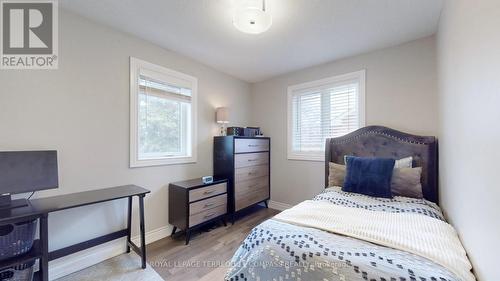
342 141
371 142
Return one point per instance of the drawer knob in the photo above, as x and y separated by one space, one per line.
208 192
209 205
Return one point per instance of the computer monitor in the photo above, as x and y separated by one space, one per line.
26 171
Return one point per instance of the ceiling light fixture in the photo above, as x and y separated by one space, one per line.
251 16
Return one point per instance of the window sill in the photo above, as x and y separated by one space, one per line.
307 157
162 162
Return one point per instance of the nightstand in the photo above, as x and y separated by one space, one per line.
192 204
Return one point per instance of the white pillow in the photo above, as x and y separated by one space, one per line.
406 162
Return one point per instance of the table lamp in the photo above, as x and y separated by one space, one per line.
222 117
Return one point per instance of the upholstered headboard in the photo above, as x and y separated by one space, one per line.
378 141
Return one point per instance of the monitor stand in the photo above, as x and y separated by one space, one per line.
6 202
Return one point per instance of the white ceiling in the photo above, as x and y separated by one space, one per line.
304 32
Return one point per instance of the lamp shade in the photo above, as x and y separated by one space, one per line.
222 115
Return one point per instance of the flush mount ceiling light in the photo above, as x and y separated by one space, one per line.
251 16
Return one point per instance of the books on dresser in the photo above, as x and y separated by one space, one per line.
245 163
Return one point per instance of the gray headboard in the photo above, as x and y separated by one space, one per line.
378 141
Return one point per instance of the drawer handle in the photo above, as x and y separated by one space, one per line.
209 205
251 173
208 215
208 192
251 160
253 145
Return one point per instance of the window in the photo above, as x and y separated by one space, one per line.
323 109
162 115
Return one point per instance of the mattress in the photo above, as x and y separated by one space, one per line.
276 250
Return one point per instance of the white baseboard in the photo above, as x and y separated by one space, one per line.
78 261
153 235
279 206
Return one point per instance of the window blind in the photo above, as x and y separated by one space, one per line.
163 118
164 90
163 110
323 112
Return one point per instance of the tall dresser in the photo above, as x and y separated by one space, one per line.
245 163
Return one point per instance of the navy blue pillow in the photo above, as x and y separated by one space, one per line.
369 176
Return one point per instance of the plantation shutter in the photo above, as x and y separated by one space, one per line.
323 112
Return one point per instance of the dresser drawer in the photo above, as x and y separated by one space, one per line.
247 186
207 215
250 145
251 159
204 192
252 172
206 204
262 190
250 199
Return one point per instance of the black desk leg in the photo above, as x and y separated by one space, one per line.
143 238
129 223
44 239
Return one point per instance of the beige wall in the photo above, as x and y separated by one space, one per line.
401 90
82 110
469 107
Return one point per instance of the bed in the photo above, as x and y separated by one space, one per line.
348 236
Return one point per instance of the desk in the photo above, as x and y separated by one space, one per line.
41 208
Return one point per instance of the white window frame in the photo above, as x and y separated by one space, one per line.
135 66
359 76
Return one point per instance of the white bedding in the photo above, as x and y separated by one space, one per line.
430 238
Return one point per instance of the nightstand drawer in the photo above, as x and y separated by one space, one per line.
247 173
204 192
251 159
207 215
250 145
206 204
